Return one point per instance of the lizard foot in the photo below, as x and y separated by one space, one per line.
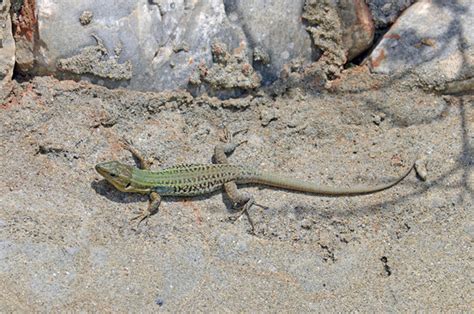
228 137
153 206
143 216
245 210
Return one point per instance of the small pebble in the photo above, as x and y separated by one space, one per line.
86 17
324 238
306 224
421 169
377 119
267 116
159 302
396 160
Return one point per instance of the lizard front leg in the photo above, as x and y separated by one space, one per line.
143 162
226 147
153 206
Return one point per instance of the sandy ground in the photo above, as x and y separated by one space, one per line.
66 240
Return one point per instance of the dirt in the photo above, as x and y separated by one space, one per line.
67 241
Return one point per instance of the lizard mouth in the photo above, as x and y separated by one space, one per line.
101 170
111 177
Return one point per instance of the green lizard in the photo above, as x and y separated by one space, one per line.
199 179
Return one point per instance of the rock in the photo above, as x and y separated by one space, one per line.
358 28
142 45
421 168
86 17
385 12
260 55
378 118
96 60
342 30
24 25
274 31
229 71
268 115
306 223
7 49
162 44
432 41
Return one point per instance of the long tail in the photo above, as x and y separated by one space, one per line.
299 185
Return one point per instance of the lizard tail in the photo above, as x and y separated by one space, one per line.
303 186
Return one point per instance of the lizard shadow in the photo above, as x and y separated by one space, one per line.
103 188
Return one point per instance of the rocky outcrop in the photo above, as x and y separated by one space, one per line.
434 41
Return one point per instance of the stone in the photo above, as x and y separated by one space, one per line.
86 17
162 44
7 49
96 60
142 45
275 32
358 28
341 30
24 24
385 12
432 40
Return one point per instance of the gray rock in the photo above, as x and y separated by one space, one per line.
385 12
156 45
86 17
136 41
162 44
273 29
433 40
230 72
7 49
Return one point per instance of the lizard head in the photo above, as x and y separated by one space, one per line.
118 174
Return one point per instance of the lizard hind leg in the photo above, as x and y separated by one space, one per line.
239 199
242 200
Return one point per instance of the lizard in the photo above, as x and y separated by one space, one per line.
201 179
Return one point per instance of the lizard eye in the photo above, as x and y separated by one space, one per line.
113 174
